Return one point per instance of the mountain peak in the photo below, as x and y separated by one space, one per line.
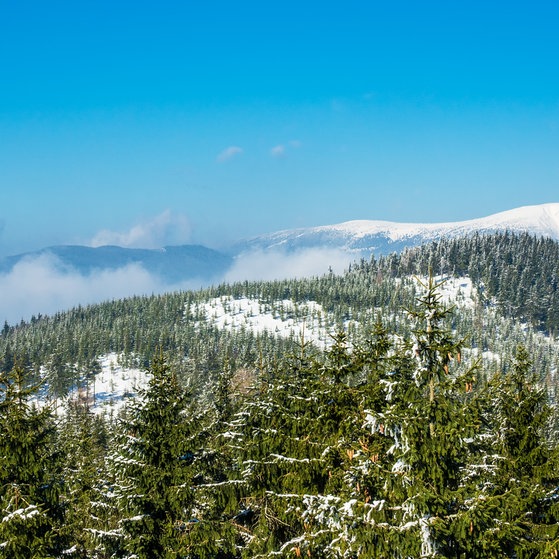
368 236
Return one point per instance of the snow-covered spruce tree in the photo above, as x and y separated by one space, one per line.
31 513
430 422
301 447
151 464
524 478
340 520
214 535
273 437
83 442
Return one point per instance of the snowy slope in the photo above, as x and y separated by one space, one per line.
114 384
380 237
108 391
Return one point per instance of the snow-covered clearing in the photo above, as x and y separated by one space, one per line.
115 383
106 392
289 319
308 320
454 291
284 318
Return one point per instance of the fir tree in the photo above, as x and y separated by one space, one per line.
429 423
83 441
152 466
525 479
30 483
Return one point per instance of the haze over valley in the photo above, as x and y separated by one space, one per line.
57 278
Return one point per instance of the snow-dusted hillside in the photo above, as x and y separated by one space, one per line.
58 278
109 390
306 320
115 383
281 318
364 237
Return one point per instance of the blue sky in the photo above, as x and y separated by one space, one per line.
144 123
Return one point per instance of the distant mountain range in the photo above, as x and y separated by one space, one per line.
174 264
382 237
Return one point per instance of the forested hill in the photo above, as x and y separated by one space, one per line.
514 277
518 272
399 443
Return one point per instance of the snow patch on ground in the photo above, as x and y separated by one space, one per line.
115 383
284 318
308 319
107 392
456 291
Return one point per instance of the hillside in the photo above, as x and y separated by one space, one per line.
68 276
342 416
506 297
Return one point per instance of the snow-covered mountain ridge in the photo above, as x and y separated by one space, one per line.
354 238
57 278
368 236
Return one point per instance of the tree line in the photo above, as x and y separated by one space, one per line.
515 279
384 446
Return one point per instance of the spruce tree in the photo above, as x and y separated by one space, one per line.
83 442
429 422
31 512
152 468
278 460
525 478
294 441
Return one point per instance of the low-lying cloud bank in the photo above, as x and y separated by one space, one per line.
44 285
278 264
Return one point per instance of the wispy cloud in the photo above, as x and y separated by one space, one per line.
164 229
228 153
278 151
281 149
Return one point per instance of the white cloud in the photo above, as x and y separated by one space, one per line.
228 153
281 149
278 151
43 285
40 285
278 264
166 228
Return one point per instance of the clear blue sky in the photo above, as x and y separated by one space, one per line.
147 122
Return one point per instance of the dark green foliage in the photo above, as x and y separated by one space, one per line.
151 463
427 420
521 272
395 441
31 513
526 469
83 442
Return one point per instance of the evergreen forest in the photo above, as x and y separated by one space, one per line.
395 422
